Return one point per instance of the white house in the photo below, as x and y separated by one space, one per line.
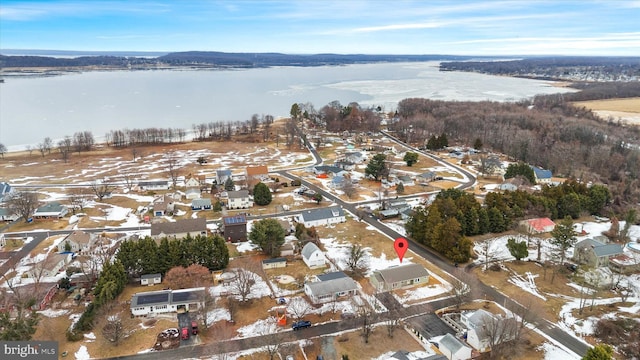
453 348
7 214
238 199
192 193
192 182
274 263
482 326
164 301
313 256
153 185
78 241
329 287
150 279
322 216
53 264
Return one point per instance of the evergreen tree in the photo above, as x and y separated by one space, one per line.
599 352
268 235
229 185
377 167
400 189
563 237
522 169
517 249
410 158
477 144
261 194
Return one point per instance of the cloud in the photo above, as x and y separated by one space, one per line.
38 10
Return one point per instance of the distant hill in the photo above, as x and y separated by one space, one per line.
214 59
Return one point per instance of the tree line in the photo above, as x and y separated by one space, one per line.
547 132
454 214
145 256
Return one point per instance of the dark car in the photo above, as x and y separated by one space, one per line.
301 324
571 267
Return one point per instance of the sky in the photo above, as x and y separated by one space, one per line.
474 27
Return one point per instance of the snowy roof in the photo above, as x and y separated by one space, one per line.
309 249
322 213
451 343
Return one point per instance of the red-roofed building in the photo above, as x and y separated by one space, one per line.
539 225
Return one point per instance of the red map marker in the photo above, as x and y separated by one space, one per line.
401 245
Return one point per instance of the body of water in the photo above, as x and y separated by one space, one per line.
32 108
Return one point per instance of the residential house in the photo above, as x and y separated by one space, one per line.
595 252
165 301
237 199
201 204
625 263
483 326
542 176
52 210
491 166
255 174
150 279
453 348
426 177
405 180
153 185
397 277
330 287
179 229
163 205
6 214
51 266
5 191
274 263
337 182
222 176
328 170
313 256
344 165
513 184
192 193
322 216
192 182
538 225
355 157
235 228
78 241
287 249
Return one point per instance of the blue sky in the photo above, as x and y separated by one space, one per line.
557 27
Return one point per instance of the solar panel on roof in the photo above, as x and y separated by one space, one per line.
153 298
184 296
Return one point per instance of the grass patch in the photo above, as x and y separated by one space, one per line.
626 105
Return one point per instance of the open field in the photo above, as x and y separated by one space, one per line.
626 110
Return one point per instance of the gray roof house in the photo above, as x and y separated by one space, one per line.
330 287
153 185
329 170
52 210
237 199
482 325
426 176
453 348
397 277
79 241
164 301
5 190
201 204
7 214
222 175
595 253
313 256
322 216
179 229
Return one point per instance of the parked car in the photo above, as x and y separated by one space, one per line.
301 324
571 267
185 333
347 315
194 328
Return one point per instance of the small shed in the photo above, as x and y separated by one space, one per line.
274 263
150 279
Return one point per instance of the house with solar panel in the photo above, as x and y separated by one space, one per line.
330 287
234 228
167 301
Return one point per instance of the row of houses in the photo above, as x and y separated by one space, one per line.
250 174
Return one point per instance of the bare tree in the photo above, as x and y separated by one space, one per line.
172 168
209 303
348 188
244 281
3 150
499 330
358 260
367 315
64 147
23 203
78 198
488 252
392 325
101 188
128 178
460 288
270 326
298 307
116 325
